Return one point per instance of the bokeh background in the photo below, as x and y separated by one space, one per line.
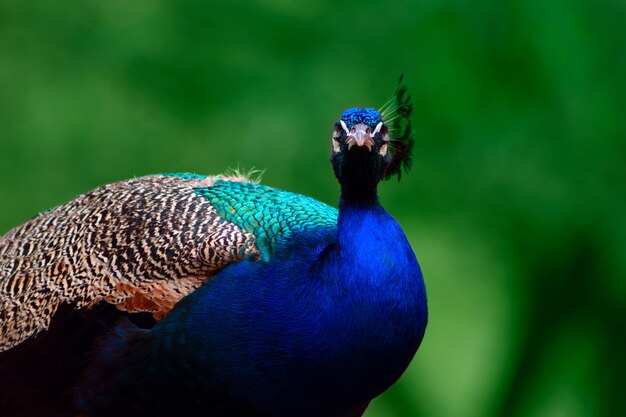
516 204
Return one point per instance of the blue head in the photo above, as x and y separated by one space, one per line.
363 152
360 151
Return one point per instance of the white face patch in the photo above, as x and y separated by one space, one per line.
383 149
344 127
378 127
336 146
336 136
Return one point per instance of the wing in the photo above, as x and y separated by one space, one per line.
141 245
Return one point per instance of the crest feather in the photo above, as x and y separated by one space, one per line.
397 114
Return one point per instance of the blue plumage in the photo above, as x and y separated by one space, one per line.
314 338
294 308
365 115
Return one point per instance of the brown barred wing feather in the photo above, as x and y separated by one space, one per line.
141 245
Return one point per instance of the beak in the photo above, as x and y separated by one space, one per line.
360 135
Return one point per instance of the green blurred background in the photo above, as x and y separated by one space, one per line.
515 206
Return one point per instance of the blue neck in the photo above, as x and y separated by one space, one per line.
360 227
385 304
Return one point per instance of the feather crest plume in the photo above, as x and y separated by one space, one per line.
397 113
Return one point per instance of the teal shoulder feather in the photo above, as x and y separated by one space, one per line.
273 216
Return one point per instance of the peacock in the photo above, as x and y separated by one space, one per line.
191 295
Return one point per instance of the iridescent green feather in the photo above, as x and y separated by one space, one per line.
272 215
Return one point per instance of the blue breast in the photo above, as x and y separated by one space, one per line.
319 330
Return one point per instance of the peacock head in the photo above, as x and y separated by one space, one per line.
370 145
